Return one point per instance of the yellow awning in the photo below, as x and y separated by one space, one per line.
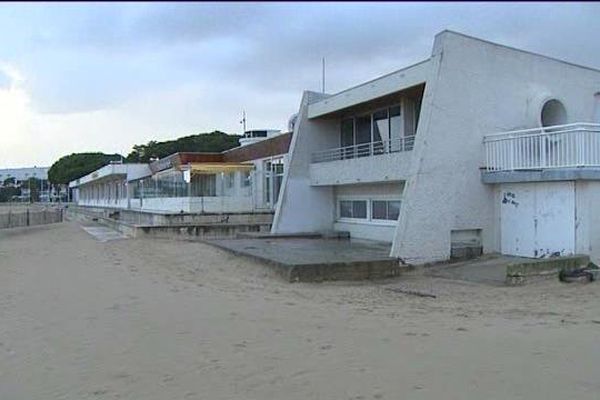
214 168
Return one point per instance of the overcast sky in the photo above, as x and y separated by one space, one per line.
103 77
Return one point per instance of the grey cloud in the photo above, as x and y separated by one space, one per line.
99 55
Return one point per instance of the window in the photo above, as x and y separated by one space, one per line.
370 210
396 129
381 131
385 210
204 185
246 178
385 127
363 129
347 134
353 209
229 179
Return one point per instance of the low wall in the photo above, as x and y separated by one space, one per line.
178 226
136 217
30 217
523 272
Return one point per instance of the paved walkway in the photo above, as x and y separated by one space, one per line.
488 269
102 233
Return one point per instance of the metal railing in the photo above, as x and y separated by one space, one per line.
405 143
558 146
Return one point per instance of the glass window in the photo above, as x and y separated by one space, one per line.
359 209
353 209
345 209
363 129
204 185
246 178
347 132
229 180
394 209
381 128
396 129
381 131
379 209
385 210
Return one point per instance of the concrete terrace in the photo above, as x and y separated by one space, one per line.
315 259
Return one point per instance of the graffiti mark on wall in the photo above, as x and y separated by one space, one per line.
509 198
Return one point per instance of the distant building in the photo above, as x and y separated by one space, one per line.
22 174
18 177
244 179
479 147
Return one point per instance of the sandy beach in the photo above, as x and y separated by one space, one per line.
140 319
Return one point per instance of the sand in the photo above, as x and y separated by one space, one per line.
142 319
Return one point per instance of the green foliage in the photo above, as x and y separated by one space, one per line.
7 193
34 185
214 142
76 165
9 181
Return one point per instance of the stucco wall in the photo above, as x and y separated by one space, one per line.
378 230
475 88
215 204
383 167
587 227
302 207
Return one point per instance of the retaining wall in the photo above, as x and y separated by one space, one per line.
15 219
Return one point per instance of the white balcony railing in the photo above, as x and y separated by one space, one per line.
559 146
365 150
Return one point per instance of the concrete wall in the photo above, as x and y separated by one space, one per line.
537 219
380 168
23 218
587 225
302 208
475 88
217 204
373 230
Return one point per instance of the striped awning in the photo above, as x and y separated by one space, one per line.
215 168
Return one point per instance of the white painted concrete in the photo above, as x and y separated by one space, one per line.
537 219
382 86
302 207
475 87
379 168
216 204
472 88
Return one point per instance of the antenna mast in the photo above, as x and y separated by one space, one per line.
243 122
323 75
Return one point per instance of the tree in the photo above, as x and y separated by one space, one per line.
10 181
76 165
214 142
35 186
8 192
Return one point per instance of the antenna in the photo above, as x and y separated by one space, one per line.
323 76
243 121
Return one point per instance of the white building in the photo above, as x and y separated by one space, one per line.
19 177
479 146
244 179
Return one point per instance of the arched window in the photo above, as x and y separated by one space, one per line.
553 113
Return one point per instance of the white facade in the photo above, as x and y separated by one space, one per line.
204 187
108 186
23 174
466 90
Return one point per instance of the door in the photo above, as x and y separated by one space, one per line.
537 219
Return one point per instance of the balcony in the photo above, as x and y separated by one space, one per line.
550 150
363 163
364 150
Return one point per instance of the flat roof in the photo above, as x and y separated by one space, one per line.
385 85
